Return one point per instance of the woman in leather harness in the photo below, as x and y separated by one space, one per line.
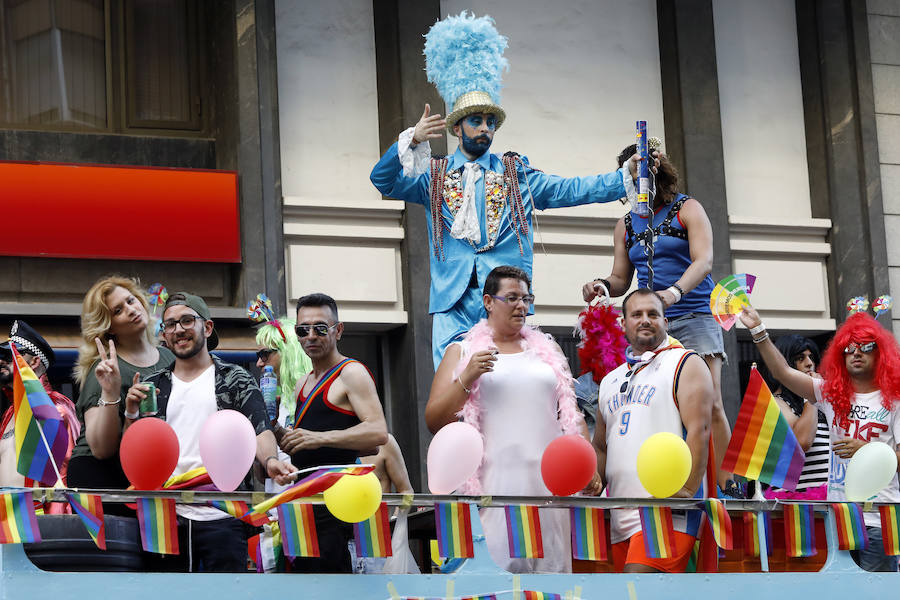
677 264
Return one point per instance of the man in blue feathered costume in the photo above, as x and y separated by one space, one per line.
480 204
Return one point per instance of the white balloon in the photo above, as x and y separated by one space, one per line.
870 470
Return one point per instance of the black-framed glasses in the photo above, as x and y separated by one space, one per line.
864 348
320 329
264 353
186 321
528 299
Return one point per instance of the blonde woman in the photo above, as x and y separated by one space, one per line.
117 349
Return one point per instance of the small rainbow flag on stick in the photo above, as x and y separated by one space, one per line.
159 528
659 533
719 522
523 528
298 529
90 508
751 533
851 527
588 533
18 523
799 532
38 426
763 446
531 595
454 530
890 529
239 510
373 536
315 483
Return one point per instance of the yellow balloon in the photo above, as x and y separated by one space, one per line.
663 464
354 498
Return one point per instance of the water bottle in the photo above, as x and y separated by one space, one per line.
268 383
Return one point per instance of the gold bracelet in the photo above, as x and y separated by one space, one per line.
463 386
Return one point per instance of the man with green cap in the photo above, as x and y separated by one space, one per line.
196 386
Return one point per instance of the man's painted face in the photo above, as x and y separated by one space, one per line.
476 132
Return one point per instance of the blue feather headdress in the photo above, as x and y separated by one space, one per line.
464 60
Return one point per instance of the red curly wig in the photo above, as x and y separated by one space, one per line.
861 328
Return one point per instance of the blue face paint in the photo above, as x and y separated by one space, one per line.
478 145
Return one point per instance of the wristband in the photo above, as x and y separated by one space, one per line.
675 291
679 288
132 416
758 329
268 458
762 339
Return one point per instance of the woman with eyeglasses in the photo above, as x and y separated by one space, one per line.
512 383
809 425
118 347
279 348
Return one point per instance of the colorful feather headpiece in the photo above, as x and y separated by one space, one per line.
260 311
464 60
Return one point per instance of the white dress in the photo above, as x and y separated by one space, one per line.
518 420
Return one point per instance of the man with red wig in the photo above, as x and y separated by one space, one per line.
859 396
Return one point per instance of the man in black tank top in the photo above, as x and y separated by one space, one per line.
337 418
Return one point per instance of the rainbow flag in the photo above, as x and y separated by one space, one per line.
763 446
851 528
751 534
659 533
298 529
159 528
799 530
531 595
18 523
188 480
890 529
480 597
239 510
315 483
454 530
588 527
90 508
523 529
373 536
719 522
34 411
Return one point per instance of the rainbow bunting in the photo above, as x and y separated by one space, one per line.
531 595
373 536
18 523
315 483
763 446
523 529
890 529
659 533
454 530
588 527
851 527
90 508
34 411
719 522
751 533
239 510
799 530
480 597
159 528
298 529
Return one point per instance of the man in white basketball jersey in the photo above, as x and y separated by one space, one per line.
661 387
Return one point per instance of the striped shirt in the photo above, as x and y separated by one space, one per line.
815 469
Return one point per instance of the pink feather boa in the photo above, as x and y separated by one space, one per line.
481 337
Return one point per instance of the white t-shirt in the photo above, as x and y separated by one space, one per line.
190 404
869 421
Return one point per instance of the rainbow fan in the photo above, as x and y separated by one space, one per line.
729 296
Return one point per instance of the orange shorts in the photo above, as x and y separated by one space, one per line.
632 551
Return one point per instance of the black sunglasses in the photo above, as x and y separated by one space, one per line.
320 329
264 353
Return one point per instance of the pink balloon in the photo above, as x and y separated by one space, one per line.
454 455
227 448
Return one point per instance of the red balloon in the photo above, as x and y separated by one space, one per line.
568 464
149 453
